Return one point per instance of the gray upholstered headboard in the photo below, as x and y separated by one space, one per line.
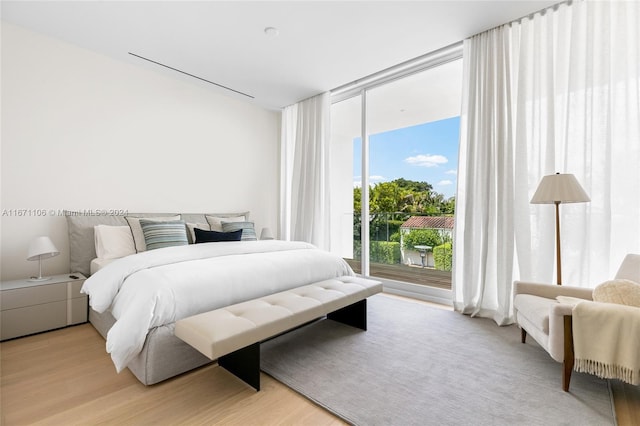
82 248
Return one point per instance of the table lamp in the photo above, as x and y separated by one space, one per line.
41 248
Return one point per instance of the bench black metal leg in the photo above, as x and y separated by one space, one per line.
354 315
244 364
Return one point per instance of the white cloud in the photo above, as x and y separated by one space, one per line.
451 172
444 182
357 180
426 160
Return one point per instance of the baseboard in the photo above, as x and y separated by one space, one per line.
416 291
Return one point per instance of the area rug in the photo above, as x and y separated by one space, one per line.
420 365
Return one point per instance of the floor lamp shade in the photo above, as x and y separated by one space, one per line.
41 248
556 189
559 188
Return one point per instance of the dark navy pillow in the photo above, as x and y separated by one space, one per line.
203 236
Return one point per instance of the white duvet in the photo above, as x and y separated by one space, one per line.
159 287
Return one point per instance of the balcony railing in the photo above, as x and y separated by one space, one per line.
408 248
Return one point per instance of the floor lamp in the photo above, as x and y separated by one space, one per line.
556 189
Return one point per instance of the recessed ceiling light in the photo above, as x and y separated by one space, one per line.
271 31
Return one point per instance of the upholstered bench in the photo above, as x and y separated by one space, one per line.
232 334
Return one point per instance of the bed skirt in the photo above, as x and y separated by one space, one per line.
163 356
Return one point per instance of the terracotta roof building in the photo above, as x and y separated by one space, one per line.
428 222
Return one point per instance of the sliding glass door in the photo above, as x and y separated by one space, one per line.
402 139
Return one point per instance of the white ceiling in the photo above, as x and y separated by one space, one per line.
431 95
321 44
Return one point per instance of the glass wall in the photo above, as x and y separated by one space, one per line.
408 158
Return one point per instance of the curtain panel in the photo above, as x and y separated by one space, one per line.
558 91
304 195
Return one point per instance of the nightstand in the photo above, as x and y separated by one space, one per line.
31 307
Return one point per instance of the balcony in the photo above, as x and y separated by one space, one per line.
408 248
409 274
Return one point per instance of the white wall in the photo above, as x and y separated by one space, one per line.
84 131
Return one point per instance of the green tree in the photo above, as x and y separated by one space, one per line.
357 200
449 207
408 196
413 186
385 197
422 237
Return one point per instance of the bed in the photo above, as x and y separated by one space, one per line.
135 299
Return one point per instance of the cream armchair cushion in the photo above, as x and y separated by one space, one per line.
541 316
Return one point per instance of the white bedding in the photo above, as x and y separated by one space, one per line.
159 287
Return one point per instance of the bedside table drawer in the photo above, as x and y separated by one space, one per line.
37 295
75 287
33 319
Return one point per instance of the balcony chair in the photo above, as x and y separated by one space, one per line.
539 314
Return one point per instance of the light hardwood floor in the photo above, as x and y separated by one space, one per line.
65 377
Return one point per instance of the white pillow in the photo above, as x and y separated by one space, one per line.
215 222
113 242
192 233
620 291
136 229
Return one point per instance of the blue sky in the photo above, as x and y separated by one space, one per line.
426 152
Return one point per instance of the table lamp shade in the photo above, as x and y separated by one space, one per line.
41 248
559 188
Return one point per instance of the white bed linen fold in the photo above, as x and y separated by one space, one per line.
161 286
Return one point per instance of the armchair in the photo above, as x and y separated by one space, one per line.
539 314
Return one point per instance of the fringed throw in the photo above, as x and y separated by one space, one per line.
606 340
606 371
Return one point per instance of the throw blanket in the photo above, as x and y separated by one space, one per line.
606 340
159 287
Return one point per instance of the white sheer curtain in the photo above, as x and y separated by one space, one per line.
304 195
555 92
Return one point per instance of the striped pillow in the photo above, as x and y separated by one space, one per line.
136 229
163 234
248 231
